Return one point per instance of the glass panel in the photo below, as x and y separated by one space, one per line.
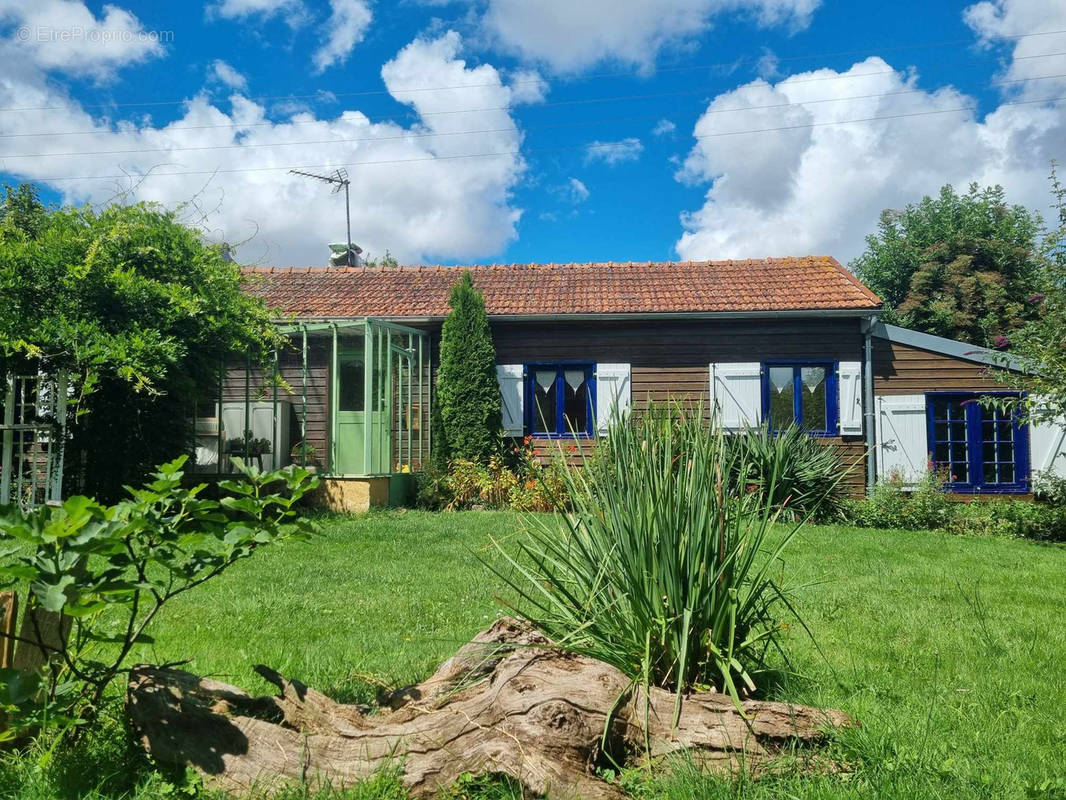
813 402
351 386
575 402
941 455
544 393
1006 451
990 473
1006 473
958 432
782 405
960 472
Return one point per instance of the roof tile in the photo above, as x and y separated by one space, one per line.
812 283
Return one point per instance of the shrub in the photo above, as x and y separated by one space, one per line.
659 569
891 506
803 473
110 570
928 507
520 484
468 394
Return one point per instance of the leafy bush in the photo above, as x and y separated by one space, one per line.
660 569
805 474
891 506
929 507
520 483
111 569
138 310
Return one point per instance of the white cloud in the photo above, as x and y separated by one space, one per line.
569 36
664 127
292 11
528 86
225 74
574 191
1013 21
64 35
428 202
347 25
768 65
820 186
612 153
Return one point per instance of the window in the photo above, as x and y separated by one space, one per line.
801 394
560 399
981 449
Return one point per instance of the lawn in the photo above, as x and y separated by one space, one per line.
951 651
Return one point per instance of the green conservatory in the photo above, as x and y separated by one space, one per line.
347 398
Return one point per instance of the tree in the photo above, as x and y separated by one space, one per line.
960 266
138 310
468 394
1039 348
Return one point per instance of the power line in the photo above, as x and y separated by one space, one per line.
536 150
582 101
408 136
249 125
393 92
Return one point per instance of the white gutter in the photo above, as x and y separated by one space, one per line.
869 411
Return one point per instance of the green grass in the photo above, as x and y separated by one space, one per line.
950 651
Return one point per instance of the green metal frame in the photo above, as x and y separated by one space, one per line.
396 381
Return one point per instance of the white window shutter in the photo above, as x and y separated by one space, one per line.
736 394
1047 445
511 394
849 387
613 391
902 438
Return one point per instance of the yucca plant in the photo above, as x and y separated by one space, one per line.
793 470
660 569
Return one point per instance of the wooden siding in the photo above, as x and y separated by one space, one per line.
670 360
672 344
903 369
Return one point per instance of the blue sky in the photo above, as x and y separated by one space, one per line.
532 130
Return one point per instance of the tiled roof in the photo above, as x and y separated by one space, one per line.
813 283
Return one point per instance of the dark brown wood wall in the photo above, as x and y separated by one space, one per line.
670 360
903 369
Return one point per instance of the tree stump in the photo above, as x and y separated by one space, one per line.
505 703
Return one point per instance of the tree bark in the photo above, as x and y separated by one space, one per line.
505 703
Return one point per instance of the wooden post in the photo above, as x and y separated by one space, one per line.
9 611
42 634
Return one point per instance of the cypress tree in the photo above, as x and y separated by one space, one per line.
468 395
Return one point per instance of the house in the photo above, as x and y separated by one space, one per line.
774 341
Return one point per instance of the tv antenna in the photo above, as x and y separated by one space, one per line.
338 178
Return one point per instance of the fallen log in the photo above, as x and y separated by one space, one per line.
506 704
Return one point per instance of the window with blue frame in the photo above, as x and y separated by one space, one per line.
981 449
803 394
559 399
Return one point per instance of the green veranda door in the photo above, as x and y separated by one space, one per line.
351 412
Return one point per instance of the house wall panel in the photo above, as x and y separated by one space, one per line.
904 369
